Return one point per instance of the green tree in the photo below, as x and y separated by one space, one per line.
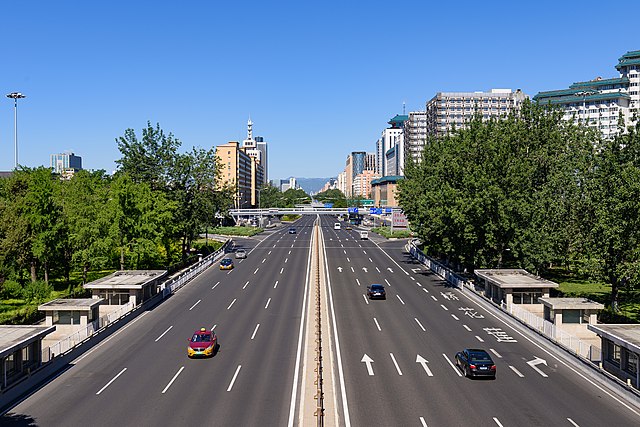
334 196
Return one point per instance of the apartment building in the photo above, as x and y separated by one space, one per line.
414 135
362 183
240 171
391 137
600 103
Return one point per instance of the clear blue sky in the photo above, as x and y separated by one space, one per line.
319 79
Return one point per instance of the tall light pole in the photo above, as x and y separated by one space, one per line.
15 96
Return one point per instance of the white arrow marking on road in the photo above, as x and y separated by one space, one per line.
368 361
395 363
390 270
364 269
421 360
415 270
516 371
535 362
340 269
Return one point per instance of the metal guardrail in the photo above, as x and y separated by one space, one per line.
167 288
319 413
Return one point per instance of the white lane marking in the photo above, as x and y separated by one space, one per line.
352 270
285 260
112 380
275 285
246 284
479 339
420 324
454 316
370 260
516 371
289 253
214 286
497 422
445 308
172 380
426 290
232 302
389 284
467 328
281 270
573 422
364 252
345 252
423 422
398 296
378 269
161 335
348 260
292 245
275 245
434 298
395 363
365 299
254 331
269 253
267 304
197 302
229 272
418 283
452 365
496 353
412 278
377 324
233 380
358 282
263 260
256 270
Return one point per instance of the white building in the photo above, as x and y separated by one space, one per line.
599 103
257 149
390 138
414 135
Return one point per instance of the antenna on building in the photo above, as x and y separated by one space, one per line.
403 108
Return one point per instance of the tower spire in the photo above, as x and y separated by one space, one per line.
249 129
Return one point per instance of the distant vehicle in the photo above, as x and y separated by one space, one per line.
292 230
241 254
364 235
226 264
348 227
203 343
336 226
475 362
376 291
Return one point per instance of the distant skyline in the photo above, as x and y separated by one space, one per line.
319 80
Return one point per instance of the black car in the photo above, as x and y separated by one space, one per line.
376 291
475 362
292 230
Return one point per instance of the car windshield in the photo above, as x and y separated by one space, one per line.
377 288
201 338
480 357
226 261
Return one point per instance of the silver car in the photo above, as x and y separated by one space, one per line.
241 254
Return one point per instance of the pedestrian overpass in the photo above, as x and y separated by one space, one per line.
307 210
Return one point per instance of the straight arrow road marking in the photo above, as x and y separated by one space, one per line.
535 362
395 363
172 380
112 380
516 371
369 362
421 360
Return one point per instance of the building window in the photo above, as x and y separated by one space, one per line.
571 316
613 353
631 364
527 297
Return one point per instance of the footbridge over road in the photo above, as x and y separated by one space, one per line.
311 210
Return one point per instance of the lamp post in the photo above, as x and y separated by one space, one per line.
15 96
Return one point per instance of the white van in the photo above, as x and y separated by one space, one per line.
364 235
336 226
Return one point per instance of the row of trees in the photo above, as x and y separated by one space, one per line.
146 215
272 197
530 191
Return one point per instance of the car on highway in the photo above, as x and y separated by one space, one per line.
376 290
203 343
226 264
241 254
364 235
336 226
475 362
348 227
292 230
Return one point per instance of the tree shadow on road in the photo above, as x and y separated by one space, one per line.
17 420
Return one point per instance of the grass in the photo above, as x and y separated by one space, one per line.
236 231
386 232
290 218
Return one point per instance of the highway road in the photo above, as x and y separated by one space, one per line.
398 354
394 358
141 376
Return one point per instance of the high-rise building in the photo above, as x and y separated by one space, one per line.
447 110
65 163
390 138
242 172
414 135
362 183
599 103
257 149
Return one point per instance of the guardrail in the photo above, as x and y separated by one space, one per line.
168 287
319 413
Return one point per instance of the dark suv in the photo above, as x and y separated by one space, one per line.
376 291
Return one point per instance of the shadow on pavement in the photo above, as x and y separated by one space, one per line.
15 420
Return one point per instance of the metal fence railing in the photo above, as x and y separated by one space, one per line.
167 288
568 341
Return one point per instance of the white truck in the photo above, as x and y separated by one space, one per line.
364 235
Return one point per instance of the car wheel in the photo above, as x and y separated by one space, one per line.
466 372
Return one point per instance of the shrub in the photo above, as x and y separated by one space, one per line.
11 290
37 292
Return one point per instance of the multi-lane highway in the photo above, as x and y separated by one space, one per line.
398 353
142 376
394 358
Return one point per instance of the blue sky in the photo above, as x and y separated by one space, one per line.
319 79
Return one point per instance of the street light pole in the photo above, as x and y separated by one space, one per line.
15 96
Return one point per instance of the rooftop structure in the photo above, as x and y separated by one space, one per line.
126 286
